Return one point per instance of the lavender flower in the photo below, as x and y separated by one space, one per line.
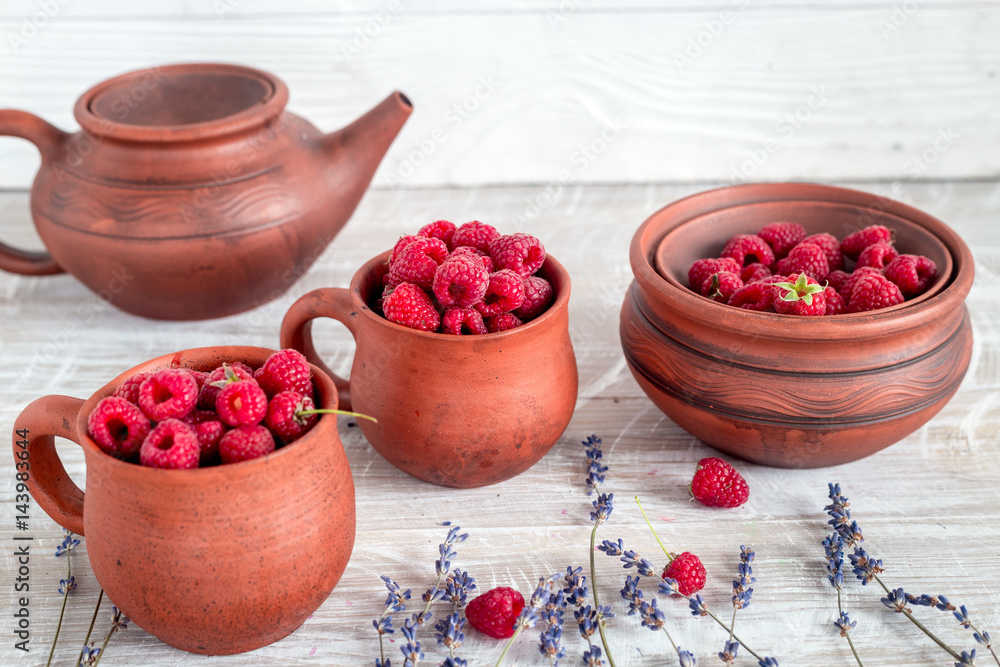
592 657
89 655
697 605
553 610
119 621
595 471
967 659
603 507
686 658
845 624
668 587
576 586
67 586
443 564
642 566
68 544
834 546
586 621
453 662
840 513
652 617
550 644
768 662
742 590
728 654
982 638
458 585
411 649
612 548
896 600
630 591
449 631
866 568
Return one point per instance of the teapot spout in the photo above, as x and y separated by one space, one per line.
354 152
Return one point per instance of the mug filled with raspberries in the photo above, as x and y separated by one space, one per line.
463 351
195 460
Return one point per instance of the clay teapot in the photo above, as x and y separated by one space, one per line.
190 193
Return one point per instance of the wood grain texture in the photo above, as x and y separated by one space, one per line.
928 505
509 96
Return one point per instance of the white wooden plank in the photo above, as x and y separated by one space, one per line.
927 505
545 95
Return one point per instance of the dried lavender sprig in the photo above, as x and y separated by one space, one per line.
119 621
742 592
90 630
595 471
603 507
411 649
443 568
961 614
383 625
449 632
834 547
529 615
66 586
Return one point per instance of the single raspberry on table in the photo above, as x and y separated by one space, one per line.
877 256
853 244
241 403
848 286
504 293
483 257
748 249
285 418
718 484
834 302
802 296
873 292
476 234
442 229
721 286
686 569
782 236
461 281
493 613
757 296
836 279
459 321
521 253
129 389
503 322
417 262
118 426
217 379
410 306
285 370
703 268
172 444
830 246
168 393
913 274
806 258
753 272
538 295
244 443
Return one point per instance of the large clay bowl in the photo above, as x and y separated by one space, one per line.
215 560
783 390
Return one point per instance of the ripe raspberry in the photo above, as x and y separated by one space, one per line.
754 272
417 262
806 258
410 306
472 252
503 322
284 418
461 281
504 294
285 370
830 246
209 434
442 229
703 268
118 426
836 279
493 613
688 571
521 253
757 296
458 321
400 245
129 389
475 234
168 393
913 274
877 256
853 244
872 292
172 444
803 296
782 237
718 484
748 249
217 379
538 295
720 286
834 302
244 443
241 403
848 286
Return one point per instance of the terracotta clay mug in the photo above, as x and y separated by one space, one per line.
460 411
216 560
189 192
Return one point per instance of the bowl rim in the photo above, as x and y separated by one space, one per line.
647 237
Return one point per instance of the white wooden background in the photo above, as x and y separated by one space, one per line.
551 74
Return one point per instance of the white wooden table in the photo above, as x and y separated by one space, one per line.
928 505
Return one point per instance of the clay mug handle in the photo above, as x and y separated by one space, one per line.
46 138
34 444
296 329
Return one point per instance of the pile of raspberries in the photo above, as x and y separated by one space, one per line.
465 280
781 269
181 418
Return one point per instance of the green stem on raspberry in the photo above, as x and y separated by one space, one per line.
921 626
93 619
69 572
306 413
670 556
847 633
593 588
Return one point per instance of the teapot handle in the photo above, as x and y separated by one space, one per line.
46 137
296 330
